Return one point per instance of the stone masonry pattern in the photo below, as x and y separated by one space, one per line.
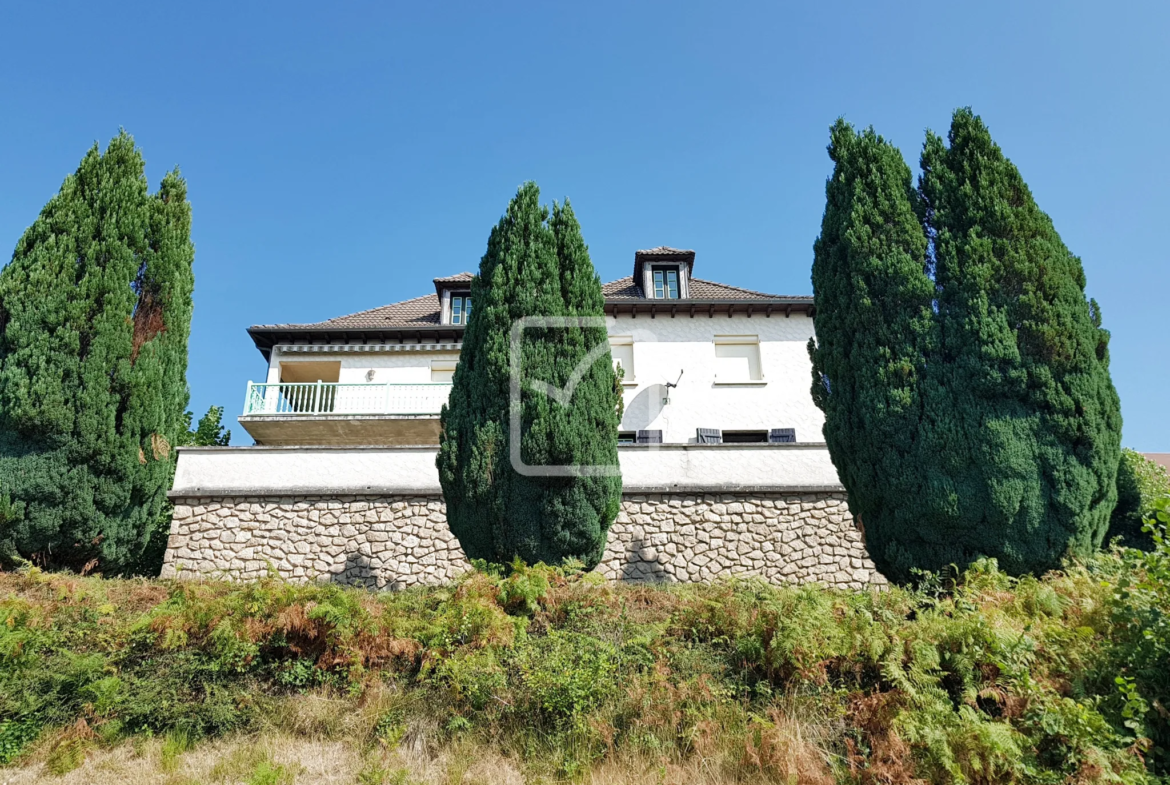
391 542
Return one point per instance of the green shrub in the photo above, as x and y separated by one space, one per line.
1140 483
563 674
1140 645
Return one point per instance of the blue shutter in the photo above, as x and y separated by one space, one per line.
649 437
710 436
782 435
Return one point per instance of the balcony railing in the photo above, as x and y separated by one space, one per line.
329 398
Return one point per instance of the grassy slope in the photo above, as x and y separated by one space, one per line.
541 676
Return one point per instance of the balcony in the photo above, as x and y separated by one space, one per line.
323 413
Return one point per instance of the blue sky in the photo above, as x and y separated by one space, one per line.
340 155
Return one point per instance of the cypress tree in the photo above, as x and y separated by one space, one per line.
95 311
873 327
536 264
1013 449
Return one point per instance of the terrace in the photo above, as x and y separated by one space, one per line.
331 413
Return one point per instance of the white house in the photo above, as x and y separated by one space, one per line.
702 362
724 470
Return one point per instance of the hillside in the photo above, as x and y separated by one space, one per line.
544 675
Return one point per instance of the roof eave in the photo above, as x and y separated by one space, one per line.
266 336
766 306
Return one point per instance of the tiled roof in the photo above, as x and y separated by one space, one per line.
408 313
424 310
622 289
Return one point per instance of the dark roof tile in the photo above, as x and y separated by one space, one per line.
419 311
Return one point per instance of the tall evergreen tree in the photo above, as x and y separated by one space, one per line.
1012 447
95 311
873 328
535 265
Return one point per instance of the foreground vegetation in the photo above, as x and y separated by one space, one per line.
545 674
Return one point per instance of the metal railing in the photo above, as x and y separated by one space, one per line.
286 398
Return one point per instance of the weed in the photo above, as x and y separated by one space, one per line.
373 772
174 745
269 773
70 749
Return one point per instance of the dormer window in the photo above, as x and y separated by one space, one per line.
663 273
665 282
454 294
460 308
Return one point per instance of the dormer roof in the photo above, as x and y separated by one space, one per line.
456 281
663 253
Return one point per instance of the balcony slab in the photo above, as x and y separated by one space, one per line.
351 430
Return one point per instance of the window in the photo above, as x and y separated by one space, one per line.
745 437
665 283
627 437
621 348
737 359
443 370
460 309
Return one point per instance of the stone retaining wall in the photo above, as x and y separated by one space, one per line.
399 541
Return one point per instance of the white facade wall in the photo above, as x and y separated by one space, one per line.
288 471
663 348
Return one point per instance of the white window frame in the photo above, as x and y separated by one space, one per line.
663 292
756 379
464 301
630 379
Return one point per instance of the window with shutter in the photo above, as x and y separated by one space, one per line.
737 359
621 348
649 437
782 435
